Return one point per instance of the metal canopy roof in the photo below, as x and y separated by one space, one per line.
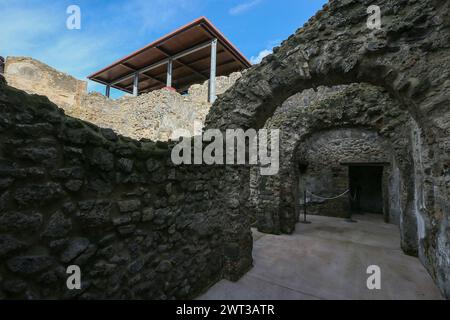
189 50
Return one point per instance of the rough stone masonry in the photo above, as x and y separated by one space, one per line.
154 115
74 193
409 58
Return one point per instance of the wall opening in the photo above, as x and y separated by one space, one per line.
366 189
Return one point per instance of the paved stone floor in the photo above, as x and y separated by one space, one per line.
328 259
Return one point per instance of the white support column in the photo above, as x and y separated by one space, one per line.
108 90
212 77
169 73
136 84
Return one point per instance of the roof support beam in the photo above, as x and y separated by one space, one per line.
168 55
219 53
113 86
212 77
136 84
207 30
190 76
192 69
200 72
206 70
142 74
227 63
165 61
108 90
169 73
152 78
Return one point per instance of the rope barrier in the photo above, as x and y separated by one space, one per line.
324 198
352 197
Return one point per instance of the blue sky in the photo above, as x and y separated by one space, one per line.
111 29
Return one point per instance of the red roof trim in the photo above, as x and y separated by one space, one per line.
188 26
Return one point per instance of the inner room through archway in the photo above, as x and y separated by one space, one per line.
367 189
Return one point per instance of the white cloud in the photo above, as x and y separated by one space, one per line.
258 58
41 33
243 7
36 29
264 53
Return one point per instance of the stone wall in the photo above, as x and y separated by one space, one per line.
36 77
155 115
323 155
72 193
199 92
355 123
2 65
410 58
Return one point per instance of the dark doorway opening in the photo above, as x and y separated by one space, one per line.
366 189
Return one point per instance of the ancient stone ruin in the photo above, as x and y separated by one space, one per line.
153 115
407 62
75 193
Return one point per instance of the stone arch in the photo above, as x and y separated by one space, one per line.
357 106
332 50
327 160
409 57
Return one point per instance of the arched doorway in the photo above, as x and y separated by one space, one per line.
322 142
328 51
346 171
325 139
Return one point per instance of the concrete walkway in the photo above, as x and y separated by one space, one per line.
328 259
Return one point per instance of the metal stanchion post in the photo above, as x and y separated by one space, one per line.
304 209
349 219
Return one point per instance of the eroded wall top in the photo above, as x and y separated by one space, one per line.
155 115
35 77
